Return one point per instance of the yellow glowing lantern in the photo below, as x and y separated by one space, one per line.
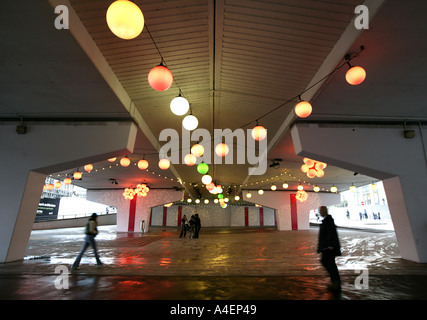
316 189
164 164
334 189
125 19
285 185
197 150
143 164
248 195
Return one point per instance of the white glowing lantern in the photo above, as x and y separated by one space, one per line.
179 105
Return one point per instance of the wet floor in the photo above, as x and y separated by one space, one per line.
223 264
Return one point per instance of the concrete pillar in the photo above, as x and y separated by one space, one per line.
129 218
47 148
382 152
281 201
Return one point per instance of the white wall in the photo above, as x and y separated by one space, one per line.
213 215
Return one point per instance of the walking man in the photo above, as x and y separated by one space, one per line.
91 231
329 246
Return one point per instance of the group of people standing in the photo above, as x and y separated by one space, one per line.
192 226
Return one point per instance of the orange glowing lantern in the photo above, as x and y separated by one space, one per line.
210 186
125 162
355 75
67 181
129 194
142 190
164 164
313 168
58 184
301 195
303 109
112 159
259 133
88 167
221 149
50 187
143 164
160 78
77 175
190 159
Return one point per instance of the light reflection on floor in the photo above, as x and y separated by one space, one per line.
221 264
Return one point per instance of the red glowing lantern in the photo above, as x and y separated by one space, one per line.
303 109
160 78
164 164
259 133
355 75
143 164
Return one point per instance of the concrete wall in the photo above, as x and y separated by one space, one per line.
103 220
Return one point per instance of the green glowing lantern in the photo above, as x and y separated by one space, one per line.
203 168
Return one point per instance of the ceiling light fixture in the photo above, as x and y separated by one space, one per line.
179 105
125 19
160 78
354 75
303 108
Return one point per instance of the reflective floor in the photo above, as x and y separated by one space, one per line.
223 264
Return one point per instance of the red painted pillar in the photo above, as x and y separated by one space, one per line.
246 216
294 215
261 216
165 216
179 215
132 210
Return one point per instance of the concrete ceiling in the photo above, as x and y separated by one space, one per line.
233 60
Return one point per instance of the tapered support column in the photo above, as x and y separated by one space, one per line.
384 153
47 148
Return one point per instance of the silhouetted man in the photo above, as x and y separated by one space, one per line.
329 246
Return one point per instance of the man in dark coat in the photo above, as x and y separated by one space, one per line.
329 246
197 225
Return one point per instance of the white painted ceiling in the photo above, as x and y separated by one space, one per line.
234 60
